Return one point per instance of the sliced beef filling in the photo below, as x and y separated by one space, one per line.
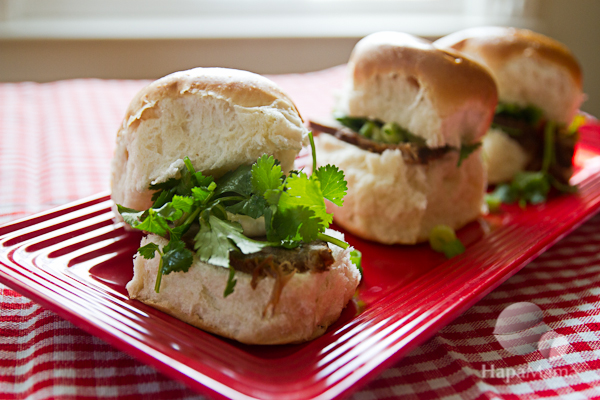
281 264
531 139
276 262
314 256
411 152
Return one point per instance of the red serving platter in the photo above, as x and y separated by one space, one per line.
75 260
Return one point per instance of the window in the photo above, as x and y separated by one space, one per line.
253 18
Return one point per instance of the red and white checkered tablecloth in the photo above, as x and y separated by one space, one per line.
56 142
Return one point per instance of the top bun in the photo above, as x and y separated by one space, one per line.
529 68
436 94
219 118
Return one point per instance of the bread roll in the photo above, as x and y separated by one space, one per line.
390 201
438 95
222 119
219 118
529 68
309 302
503 156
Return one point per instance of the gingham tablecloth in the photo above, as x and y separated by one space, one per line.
56 142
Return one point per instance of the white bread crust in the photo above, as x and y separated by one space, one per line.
391 202
529 68
503 156
219 118
309 303
435 94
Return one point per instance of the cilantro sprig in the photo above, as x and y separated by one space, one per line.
293 208
531 186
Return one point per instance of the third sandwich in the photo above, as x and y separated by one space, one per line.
414 118
539 91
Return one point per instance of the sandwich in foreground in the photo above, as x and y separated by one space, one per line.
237 245
414 118
539 91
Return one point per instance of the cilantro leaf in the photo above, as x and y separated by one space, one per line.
296 223
167 185
176 257
148 251
233 231
266 175
203 194
532 187
153 223
236 181
230 283
305 192
184 204
310 226
333 184
254 206
130 216
211 244
466 150
526 187
272 196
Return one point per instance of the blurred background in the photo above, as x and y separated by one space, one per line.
46 40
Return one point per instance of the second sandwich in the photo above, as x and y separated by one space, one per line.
414 118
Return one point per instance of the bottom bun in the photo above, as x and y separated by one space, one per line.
390 201
503 156
309 302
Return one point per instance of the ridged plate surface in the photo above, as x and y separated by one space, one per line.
76 261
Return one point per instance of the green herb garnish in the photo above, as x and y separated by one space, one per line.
356 259
529 114
466 150
392 133
293 207
531 186
443 239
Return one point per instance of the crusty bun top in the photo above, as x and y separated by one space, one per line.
529 68
436 94
219 118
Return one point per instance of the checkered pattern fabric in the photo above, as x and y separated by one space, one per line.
56 143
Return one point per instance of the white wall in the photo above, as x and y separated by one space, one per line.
576 23
38 58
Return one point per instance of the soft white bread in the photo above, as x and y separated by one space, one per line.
309 302
436 94
219 118
503 156
389 201
529 68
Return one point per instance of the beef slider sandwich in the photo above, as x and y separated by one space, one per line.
414 118
539 91
234 246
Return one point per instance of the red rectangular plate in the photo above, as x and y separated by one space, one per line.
76 261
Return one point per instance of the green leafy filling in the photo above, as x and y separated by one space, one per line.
531 186
392 133
293 207
531 115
